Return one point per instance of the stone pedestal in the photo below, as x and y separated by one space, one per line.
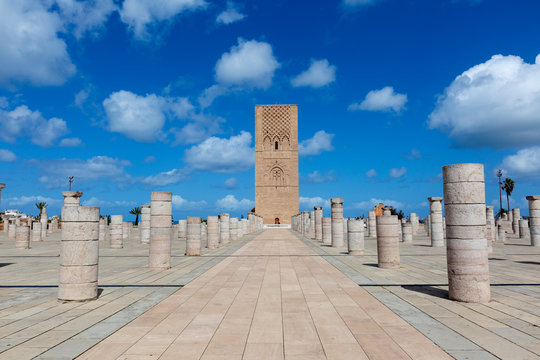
388 240
79 252
193 236
160 230
44 220
115 232
224 228
372 224
435 214
501 233
125 231
233 229
318 223
12 230
534 219
337 222
413 218
467 252
523 228
22 237
36 231
407 232
102 229
204 236
516 216
182 227
355 236
212 231
326 231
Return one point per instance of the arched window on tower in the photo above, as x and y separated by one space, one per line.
276 146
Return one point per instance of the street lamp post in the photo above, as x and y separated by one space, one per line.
499 174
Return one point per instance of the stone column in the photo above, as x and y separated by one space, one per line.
523 228
327 231
160 230
144 225
318 223
427 225
125 231
501 233
79 252
233 229
193 235
388 240
212 231
115 232
182 226
312 225
36 231
22 237
12 230
102 229
345 231
43 219
337 222
355 236
204 235
2 185
490 219
406 232
516 216
305 223
435 214
250 223
534 219
467 253
413 218
372 223
224 228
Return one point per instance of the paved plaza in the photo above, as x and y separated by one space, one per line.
274 294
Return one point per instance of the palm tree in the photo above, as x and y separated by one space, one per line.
40 206
136 211
508 187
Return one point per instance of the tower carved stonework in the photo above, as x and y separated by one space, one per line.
276 162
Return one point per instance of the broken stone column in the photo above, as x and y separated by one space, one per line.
435 213
467 252
312 225
388 240
224 228
22 237
193 235
345 231
305 223
102 229
43 219
160 230
523 228
233 229
372 222
515 220
144 225
79 252
355 236
427 225
36 231
501 233
534 219
182 227
337 222
318 223
212 231
125 231
327 231
115 232
413 218
407 232
12 230
204 235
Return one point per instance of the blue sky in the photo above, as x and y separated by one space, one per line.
137 96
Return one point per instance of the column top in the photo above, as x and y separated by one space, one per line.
2 185
317 208
336 200
435 198
533 197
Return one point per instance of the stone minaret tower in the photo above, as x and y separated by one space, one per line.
276 162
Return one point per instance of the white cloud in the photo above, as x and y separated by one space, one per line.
70 142
250 63
317 178
6 155
414 154
30 49
321 141
165 178
368 205
200 127
384 99
142 16
25 200
371 173
179 202
230 202
230 15
23 122
149 159
231 183
81 97
524 164
222 155
142 117
85 16
94 201
209 95
493 104
396 173
320 73
56 171
310 202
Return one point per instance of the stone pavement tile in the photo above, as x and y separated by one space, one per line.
65 350
263 352
344 352
20 353
183 351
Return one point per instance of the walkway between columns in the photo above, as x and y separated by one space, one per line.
274 298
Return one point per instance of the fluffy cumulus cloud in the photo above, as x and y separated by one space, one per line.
23 122
70 142
397 173
317 178
321 141
6 155
142 16
94 201
165 178
384 99
230 15
310 202
55 172
494 104
231 183
200 127
230 202
85 16
319 74
222 155
26 200
250 63
142 117
180 203
525 164
31 49
369 204
371 173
